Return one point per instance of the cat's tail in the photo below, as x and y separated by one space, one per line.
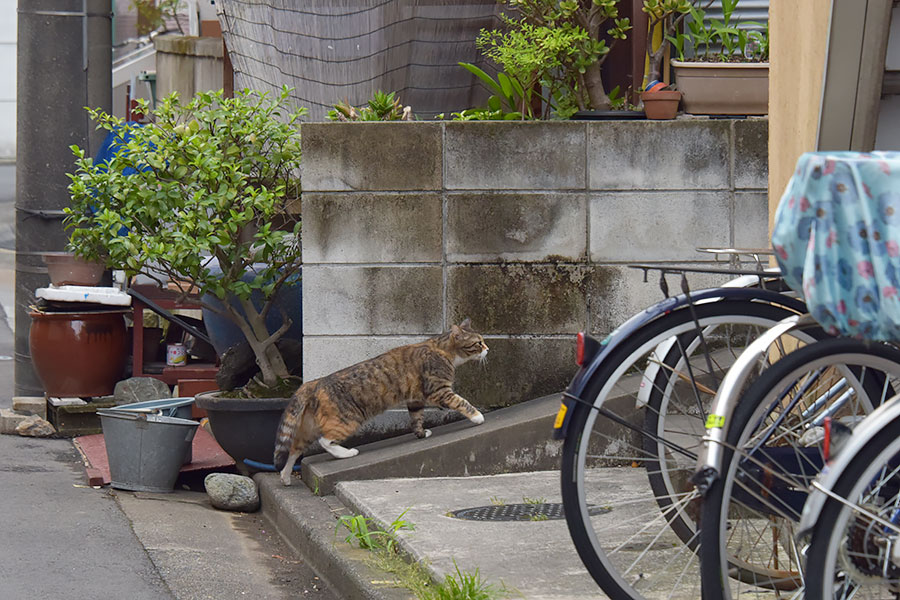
289 425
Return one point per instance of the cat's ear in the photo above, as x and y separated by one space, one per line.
467 324
455 331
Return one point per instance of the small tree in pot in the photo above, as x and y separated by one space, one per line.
210 179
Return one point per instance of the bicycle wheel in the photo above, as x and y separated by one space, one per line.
634 529
773 452
850 554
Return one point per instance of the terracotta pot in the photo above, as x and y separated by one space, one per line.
723 88
65 268
662 104
78 354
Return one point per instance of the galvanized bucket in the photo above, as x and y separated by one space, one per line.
145 451
167 407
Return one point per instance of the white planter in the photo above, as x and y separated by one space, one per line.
723 88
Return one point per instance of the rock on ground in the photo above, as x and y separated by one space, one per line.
228 491
34 426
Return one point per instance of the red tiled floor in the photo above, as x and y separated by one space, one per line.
207 456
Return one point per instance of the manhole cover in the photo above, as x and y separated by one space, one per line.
519 512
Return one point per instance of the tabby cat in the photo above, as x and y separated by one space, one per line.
332 408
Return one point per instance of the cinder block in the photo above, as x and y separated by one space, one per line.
491 155
751 153
371 156
9 420
751 220
517 370
325 355
519 298
641 226
656 155
371 228
618 292
372 300
489 227
30 405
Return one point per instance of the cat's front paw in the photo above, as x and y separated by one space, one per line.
477 418
286 478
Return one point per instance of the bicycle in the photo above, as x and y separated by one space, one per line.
771 439
653 377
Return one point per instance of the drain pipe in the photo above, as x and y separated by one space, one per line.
64 63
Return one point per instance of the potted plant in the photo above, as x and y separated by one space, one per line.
728 72
554 47
201 195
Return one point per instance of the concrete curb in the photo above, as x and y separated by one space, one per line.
309 524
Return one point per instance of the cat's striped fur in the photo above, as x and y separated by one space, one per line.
332 408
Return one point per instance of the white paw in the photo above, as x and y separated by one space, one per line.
286 478
350 453
428 433
478 419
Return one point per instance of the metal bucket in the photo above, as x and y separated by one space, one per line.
167 407
145 451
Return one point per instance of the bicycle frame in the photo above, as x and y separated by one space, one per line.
737 289
868 428
709 467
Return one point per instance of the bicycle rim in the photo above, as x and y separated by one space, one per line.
776 434
850 557
627 505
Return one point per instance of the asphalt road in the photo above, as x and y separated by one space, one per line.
62 539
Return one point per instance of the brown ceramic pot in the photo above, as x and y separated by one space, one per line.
64 268
662 104
78 354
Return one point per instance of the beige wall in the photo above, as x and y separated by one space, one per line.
799 35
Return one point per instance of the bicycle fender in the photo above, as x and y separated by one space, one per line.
709 465
576 389
883 417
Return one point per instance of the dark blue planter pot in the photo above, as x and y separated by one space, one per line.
224 333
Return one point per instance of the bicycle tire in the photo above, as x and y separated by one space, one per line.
748 512
576 448
837 562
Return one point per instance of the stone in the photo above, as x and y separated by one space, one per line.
228 491
238 364
9 420
34 426
140 389
30 405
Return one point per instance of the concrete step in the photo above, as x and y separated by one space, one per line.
514 439
30 405
9 419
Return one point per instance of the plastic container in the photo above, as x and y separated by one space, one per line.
145 451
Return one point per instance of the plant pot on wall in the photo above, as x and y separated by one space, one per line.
723 88
64 268
661 104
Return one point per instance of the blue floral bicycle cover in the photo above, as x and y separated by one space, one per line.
837 241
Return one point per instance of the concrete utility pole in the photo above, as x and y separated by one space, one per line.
64 64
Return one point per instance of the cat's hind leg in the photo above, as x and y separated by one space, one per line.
336 450
289 467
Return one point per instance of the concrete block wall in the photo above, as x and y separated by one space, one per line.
187 65
526 228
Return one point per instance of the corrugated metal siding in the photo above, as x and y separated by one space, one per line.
747 10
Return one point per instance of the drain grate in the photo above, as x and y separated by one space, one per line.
519 512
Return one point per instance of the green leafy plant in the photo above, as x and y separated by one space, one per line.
382 107
498 501
510 101
527 500
462 586
368 536
735 43
153 14
559 45
214 178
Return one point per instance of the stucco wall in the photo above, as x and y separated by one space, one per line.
799 36
525 228
188 65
